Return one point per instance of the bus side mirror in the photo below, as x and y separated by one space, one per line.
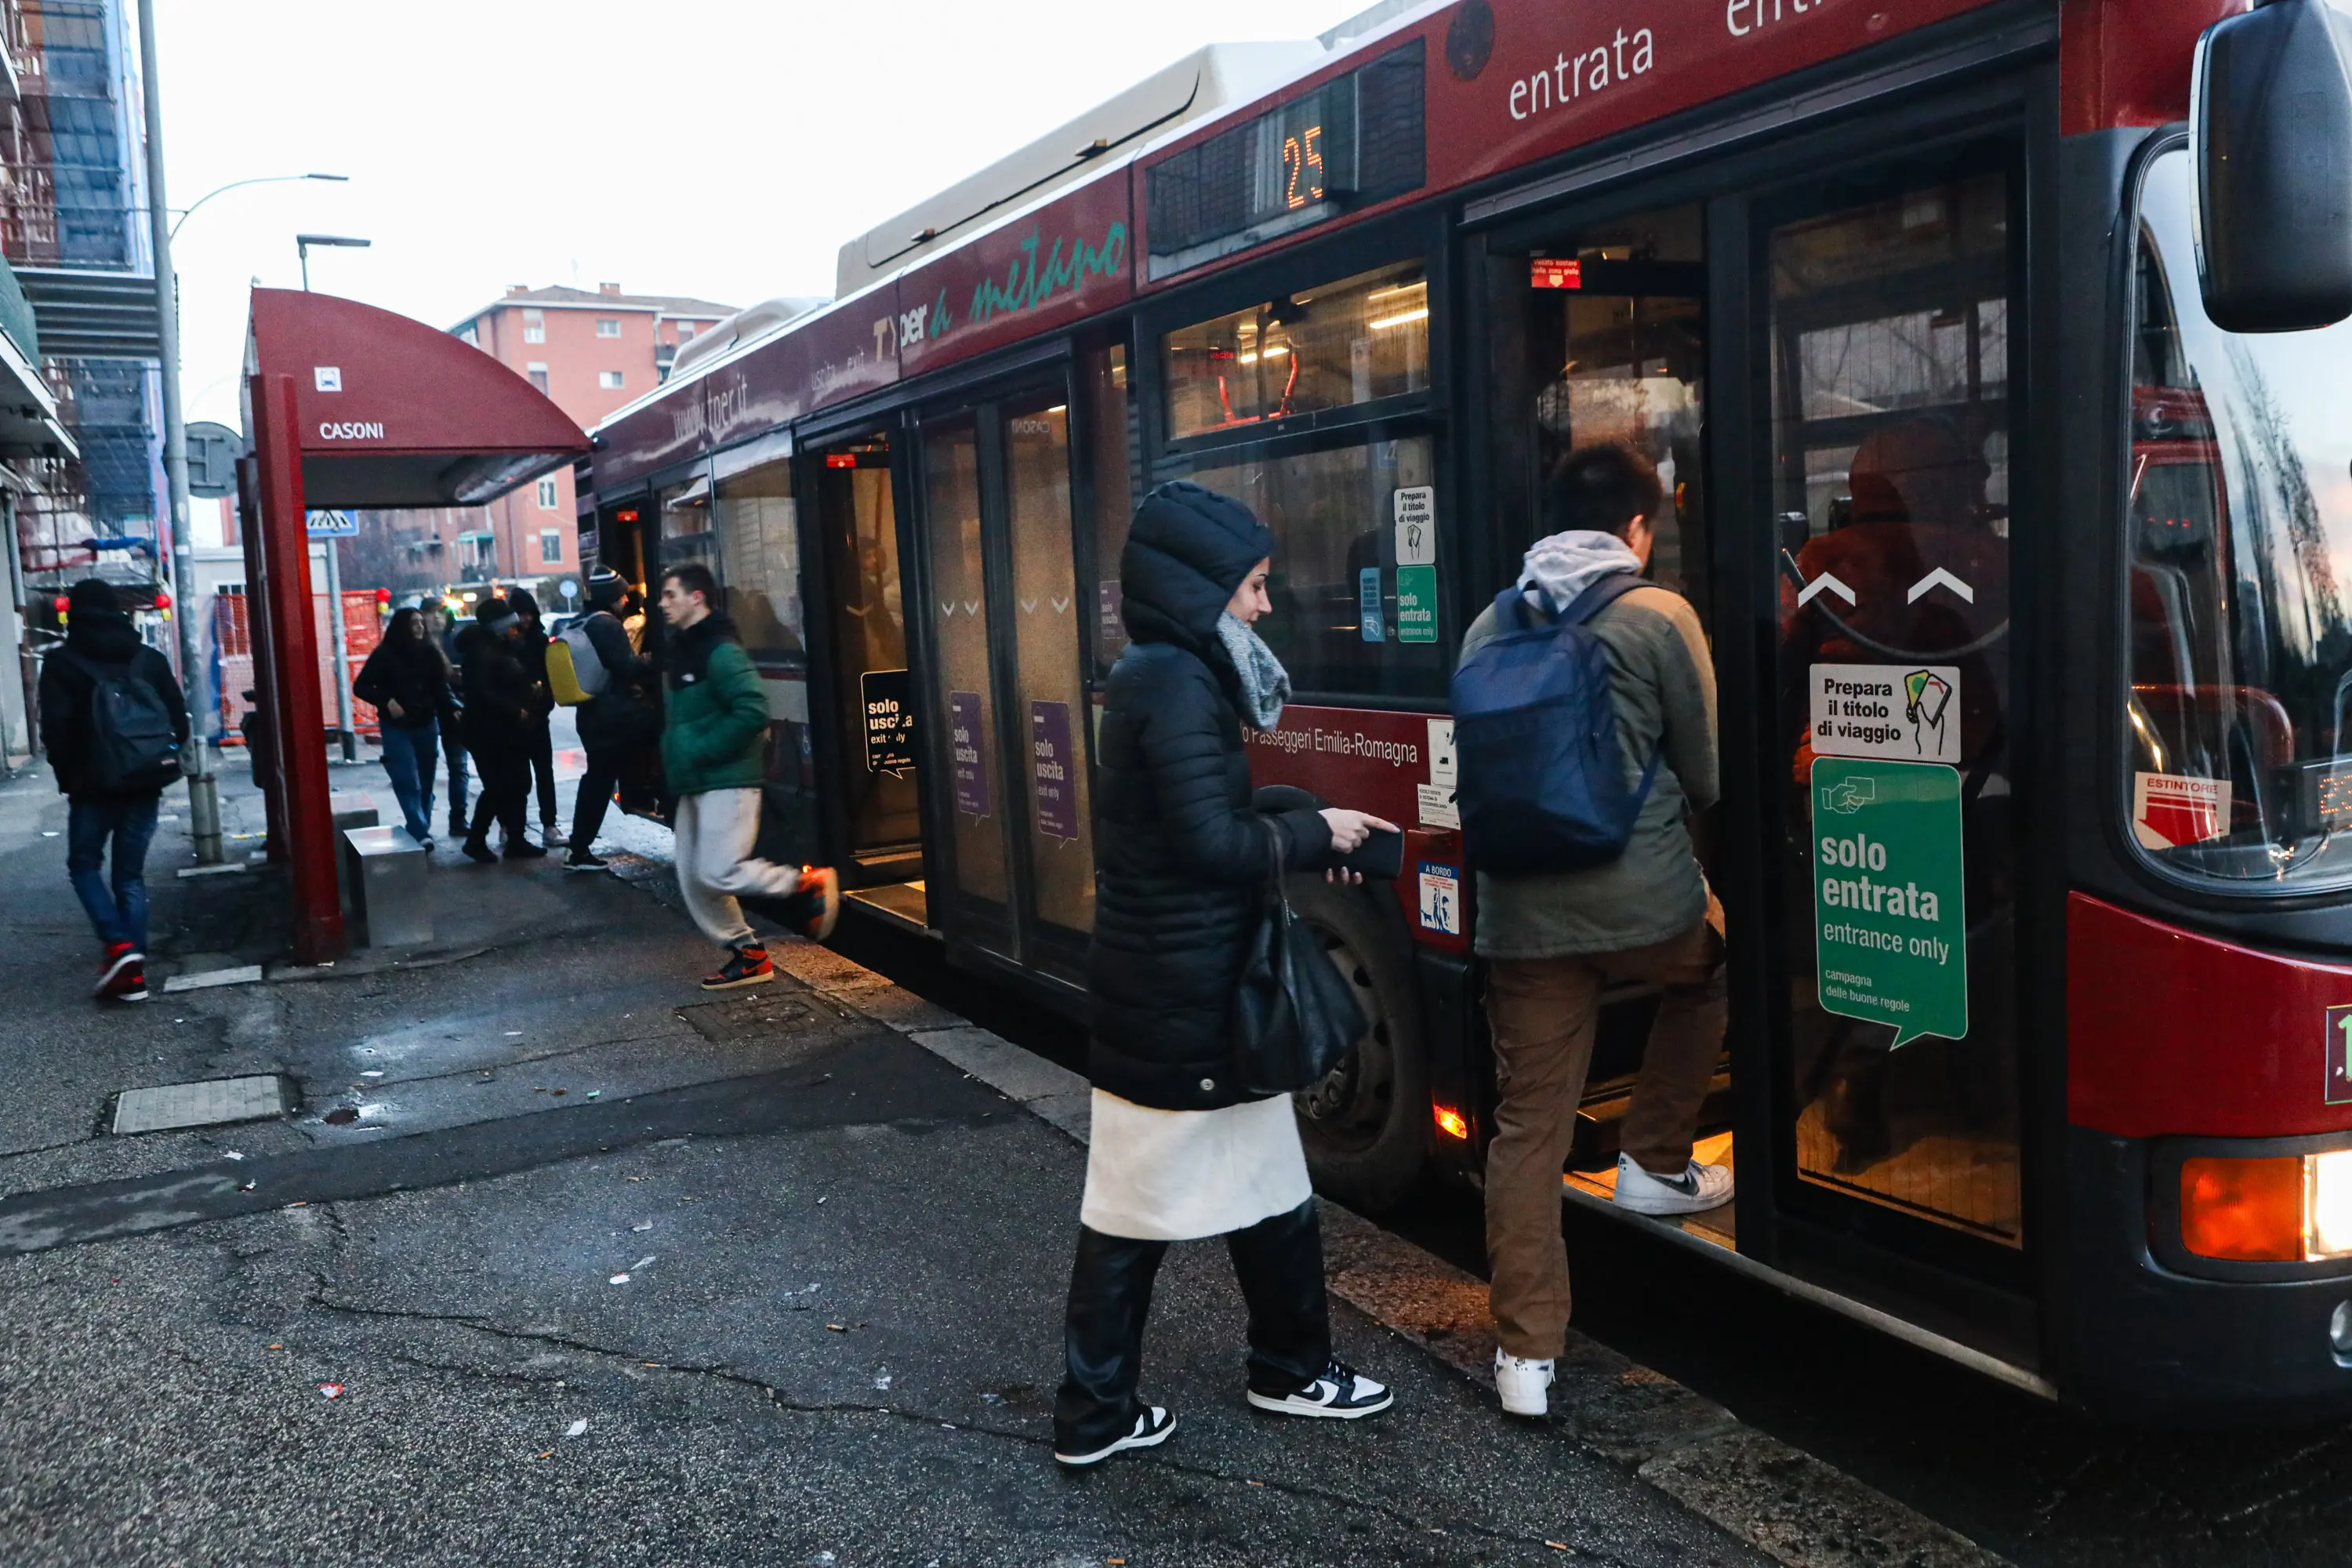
2271 135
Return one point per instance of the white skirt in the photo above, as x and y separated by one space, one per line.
1177 1175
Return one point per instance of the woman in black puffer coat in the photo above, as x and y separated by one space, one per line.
1178 1152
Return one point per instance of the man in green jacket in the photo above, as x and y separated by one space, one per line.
714 751
1553 941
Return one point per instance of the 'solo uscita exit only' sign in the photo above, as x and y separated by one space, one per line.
1890 929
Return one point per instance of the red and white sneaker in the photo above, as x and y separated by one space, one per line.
121 958
747 966
817 902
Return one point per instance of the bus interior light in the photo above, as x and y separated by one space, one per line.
1450 1121
1402 317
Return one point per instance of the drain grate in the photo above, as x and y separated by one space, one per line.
207 1104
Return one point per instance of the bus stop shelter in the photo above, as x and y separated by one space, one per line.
347 407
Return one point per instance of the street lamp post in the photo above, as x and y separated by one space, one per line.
303 242
346 731
190 210
204 791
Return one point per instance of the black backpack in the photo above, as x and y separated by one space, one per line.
133 746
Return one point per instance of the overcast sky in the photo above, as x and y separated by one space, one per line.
723 149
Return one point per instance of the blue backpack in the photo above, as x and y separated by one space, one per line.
1541 778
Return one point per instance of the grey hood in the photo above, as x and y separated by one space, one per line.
1557 569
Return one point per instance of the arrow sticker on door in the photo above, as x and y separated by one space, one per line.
1062 606
1941 578
1826 580
1028 607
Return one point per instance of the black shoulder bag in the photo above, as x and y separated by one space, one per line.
1295 1015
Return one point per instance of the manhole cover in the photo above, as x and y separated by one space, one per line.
205 1104
745 1018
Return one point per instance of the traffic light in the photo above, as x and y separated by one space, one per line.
162 599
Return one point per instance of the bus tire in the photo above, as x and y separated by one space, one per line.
1366 1124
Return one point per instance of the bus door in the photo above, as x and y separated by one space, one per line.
873 812
1012 871
1882 300
1598 336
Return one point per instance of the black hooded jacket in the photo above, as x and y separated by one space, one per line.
1181 861
103 638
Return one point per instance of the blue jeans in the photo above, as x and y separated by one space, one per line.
117 907
410 755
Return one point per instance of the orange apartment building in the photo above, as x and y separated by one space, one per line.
591 352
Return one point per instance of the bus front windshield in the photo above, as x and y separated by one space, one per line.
2237 734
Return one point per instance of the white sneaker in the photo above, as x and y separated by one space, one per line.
1151 1429
1523 1384
1696 1189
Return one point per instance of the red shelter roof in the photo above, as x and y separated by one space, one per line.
391 412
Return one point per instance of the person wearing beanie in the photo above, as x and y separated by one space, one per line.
617 724
1180 1151
113 764
539 739
499 709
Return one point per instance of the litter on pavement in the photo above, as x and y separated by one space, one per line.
648 1225
577 1428
618 1279
331 1390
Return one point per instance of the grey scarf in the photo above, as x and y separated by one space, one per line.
1265 685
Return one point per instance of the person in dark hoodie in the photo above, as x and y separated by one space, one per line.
408 681
457 639
103 650
714 758
500 706
539 739
1180 1151
616 723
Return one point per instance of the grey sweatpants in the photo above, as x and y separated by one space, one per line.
715 832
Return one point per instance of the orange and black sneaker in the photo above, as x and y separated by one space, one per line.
747 966
816 902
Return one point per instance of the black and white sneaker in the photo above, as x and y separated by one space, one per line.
1342 1393
582 859
1151 1429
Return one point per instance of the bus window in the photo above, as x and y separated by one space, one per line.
2236 759
684 511
758 537
1890 414
1113 474
1351 342
1354 592
1047 642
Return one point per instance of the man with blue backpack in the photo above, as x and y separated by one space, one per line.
114 725
1585 737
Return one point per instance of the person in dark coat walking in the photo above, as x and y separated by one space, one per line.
500 705
616 723
456 641
101 644
1179 1151
539 740
407 680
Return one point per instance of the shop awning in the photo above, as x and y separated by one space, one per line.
393 413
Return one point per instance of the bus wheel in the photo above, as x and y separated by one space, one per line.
1366 1124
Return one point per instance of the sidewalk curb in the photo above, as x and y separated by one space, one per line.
1784 1502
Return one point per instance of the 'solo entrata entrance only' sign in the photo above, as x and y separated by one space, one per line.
1890 929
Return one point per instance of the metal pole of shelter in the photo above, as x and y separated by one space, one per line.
346 727
199 764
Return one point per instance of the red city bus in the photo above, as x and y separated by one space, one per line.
2019 574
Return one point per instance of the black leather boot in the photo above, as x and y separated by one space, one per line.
1279 1262
1110 1295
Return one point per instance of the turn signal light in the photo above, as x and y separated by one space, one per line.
1450 1122
2284 1208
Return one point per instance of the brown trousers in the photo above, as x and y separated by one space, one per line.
1543 1012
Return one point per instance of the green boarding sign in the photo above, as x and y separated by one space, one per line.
1890 929
1416 617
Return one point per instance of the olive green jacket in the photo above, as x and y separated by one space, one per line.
715 730
1662 680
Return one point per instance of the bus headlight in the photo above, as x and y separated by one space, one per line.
2329 1231
2284 1208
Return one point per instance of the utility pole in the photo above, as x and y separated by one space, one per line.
204 779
